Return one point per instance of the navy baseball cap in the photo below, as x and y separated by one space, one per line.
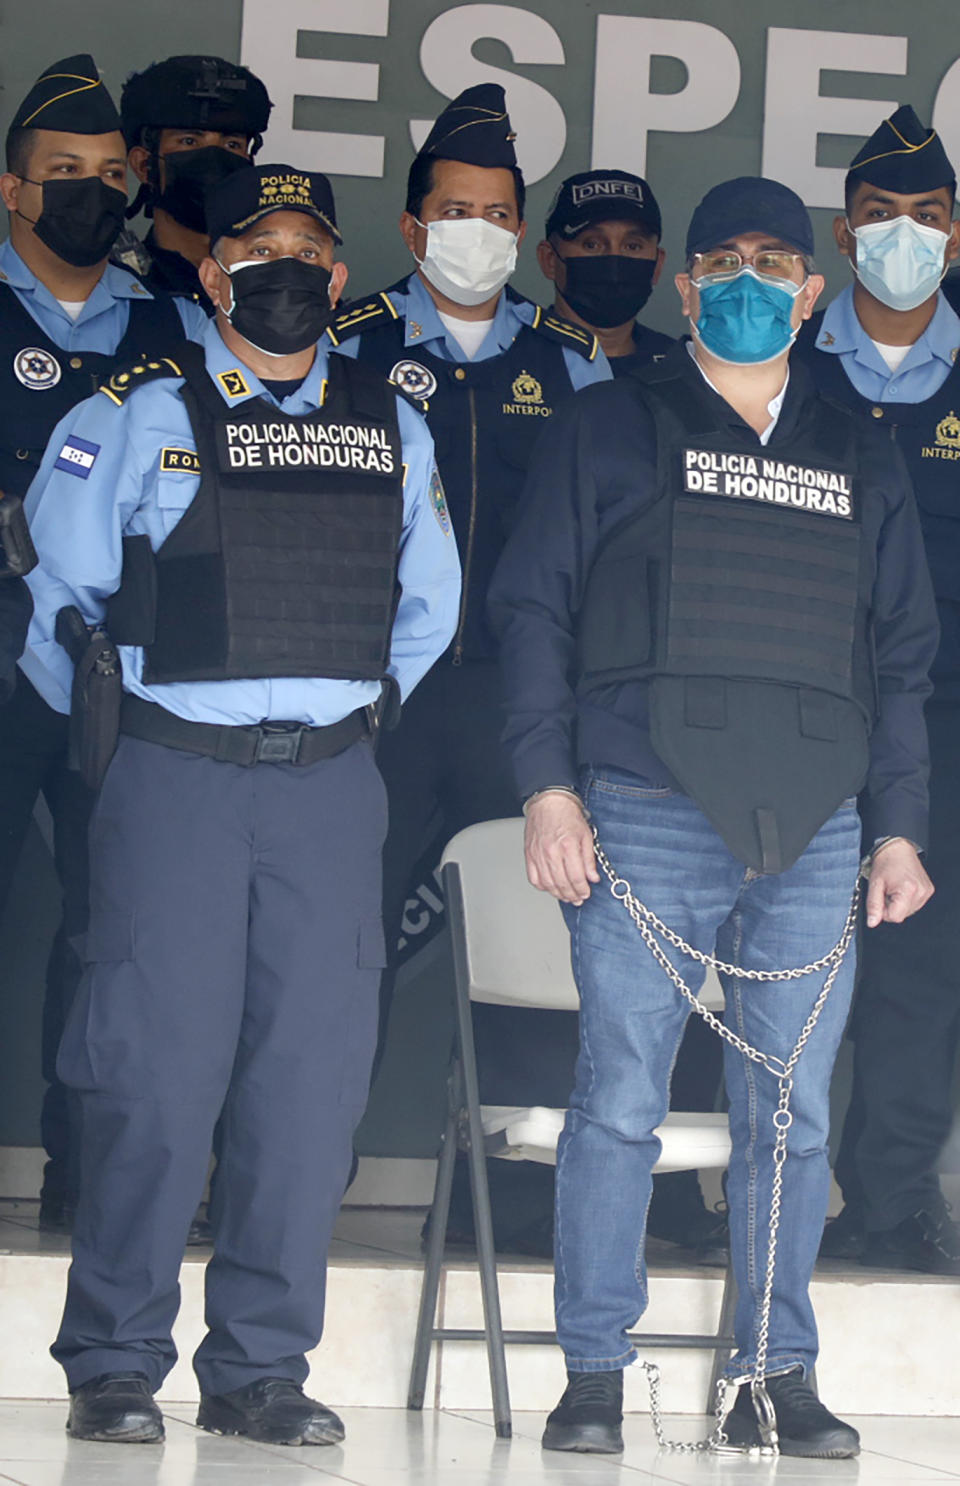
601 196
235 204
751 203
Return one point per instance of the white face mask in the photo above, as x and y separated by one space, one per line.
901 262
468 259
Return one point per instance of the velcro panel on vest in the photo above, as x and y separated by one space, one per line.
132 610
764 785
764 593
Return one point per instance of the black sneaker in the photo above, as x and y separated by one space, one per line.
928 1242
117 1408
272 1410
844 1235
804 1426
589 1415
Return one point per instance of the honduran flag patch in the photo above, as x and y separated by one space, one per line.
77 457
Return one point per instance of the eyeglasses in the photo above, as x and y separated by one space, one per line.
726 263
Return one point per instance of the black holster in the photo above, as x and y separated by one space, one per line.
95 701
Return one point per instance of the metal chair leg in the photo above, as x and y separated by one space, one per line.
728 1307
433 1265
486 1256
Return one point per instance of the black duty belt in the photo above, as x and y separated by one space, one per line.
268 743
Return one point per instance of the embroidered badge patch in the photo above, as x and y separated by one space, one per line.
234 383
439 502
36 369
414 379
77 457
179 461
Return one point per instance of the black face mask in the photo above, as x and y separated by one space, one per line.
80 220
610 289
281 306
189 175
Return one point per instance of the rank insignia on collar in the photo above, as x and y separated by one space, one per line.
827 339
233 382
414 329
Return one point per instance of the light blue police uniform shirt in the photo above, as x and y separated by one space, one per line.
423 327
100 480
102 323
921 373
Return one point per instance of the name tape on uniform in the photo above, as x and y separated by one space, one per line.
753 477
179 461
77 457
305 445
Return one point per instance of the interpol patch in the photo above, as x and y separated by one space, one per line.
754 477
439 502
77 457
234 383
179 462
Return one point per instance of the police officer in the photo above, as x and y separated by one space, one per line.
888 346
494 368
715 623
601 250
188 122
260 490
66 315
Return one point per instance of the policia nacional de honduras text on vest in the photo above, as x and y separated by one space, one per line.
284 564
485 417
40 382
928 436
741 593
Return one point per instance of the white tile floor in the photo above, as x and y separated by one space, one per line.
388 1447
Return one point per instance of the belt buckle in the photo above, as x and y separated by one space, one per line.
279 743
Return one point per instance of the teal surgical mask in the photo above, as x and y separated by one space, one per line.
901 262
745 320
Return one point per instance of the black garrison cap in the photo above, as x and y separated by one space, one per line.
751 203
194 93
903 156
475 129
601 196
246 196
69 96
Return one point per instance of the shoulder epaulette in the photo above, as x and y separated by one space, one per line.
127 379
568 334
362 315
419 404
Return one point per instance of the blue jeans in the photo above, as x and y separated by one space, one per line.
631 1023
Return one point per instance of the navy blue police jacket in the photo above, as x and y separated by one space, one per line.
596 471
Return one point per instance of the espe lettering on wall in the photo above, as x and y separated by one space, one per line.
798 107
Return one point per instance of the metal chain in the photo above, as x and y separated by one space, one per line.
650 926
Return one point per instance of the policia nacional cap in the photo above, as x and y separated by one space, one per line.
903 156
70 97
474 129
195 93
249 195
601 196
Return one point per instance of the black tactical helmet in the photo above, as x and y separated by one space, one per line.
194 93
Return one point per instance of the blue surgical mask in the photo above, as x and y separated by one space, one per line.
746 320
901 262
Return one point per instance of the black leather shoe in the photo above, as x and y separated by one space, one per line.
589 1415
844 1235
272 1410
117 1407
928 1242
200 1231
804 1426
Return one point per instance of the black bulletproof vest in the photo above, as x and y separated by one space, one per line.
485 417
742 595
284 564
40 382
928 436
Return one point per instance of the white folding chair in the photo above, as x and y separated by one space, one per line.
511 947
